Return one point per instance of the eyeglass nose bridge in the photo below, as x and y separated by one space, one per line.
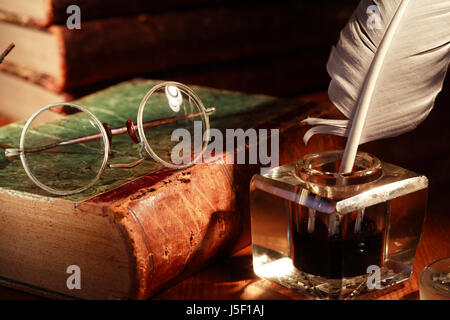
131 129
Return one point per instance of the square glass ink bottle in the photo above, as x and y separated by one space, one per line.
337 236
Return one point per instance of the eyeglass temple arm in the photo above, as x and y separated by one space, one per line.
11 152
6 52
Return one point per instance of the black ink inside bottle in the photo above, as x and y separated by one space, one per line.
346 254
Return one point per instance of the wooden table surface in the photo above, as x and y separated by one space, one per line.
233 277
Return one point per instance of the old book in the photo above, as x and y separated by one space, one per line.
118 47
140 230
276 75
284 74
21 98
46 12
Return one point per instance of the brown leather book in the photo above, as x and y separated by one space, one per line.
46 12
276 75
105 49
139 231
21 98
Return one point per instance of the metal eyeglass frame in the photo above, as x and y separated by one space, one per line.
106 133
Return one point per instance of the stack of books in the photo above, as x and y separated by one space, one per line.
258 47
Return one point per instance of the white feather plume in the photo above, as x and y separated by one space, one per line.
396 69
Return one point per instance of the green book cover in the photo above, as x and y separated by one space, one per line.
115 106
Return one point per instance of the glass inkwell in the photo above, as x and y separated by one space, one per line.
330 235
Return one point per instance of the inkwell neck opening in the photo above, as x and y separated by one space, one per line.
323 169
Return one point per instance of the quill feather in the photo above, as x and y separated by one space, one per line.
385 80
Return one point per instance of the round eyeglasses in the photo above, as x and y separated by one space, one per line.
50 144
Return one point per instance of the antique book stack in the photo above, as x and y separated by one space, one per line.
140 230
263 47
